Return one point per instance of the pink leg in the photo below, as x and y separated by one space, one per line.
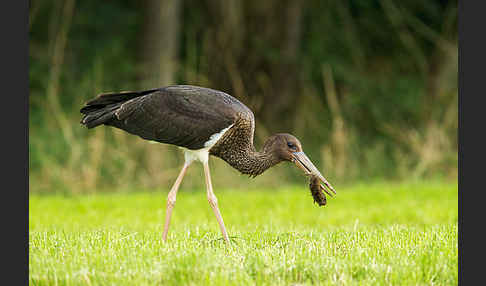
171 199
213 202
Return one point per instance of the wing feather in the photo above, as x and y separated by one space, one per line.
185 116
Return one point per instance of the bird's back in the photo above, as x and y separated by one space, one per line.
182 115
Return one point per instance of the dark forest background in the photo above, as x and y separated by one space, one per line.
369 87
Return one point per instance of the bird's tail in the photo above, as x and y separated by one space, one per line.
101 109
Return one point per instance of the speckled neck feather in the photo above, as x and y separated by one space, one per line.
255 163
237 149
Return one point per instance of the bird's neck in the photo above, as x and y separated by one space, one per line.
257 162
237 149
249 161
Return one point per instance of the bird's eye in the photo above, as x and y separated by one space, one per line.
291 145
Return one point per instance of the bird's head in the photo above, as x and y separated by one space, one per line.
288 148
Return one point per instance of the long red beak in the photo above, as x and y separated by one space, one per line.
303 162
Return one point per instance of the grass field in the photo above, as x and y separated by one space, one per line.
378 234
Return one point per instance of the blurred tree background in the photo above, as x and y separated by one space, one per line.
369 87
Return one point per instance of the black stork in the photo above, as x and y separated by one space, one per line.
202 122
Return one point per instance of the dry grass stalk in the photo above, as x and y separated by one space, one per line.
337 152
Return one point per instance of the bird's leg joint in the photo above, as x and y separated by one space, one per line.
171 199
213 201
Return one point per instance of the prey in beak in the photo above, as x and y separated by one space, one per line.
286 147
303 162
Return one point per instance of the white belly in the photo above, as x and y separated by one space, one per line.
202 154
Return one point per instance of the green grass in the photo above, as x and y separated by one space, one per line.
378 234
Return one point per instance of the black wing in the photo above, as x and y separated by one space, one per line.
185 116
